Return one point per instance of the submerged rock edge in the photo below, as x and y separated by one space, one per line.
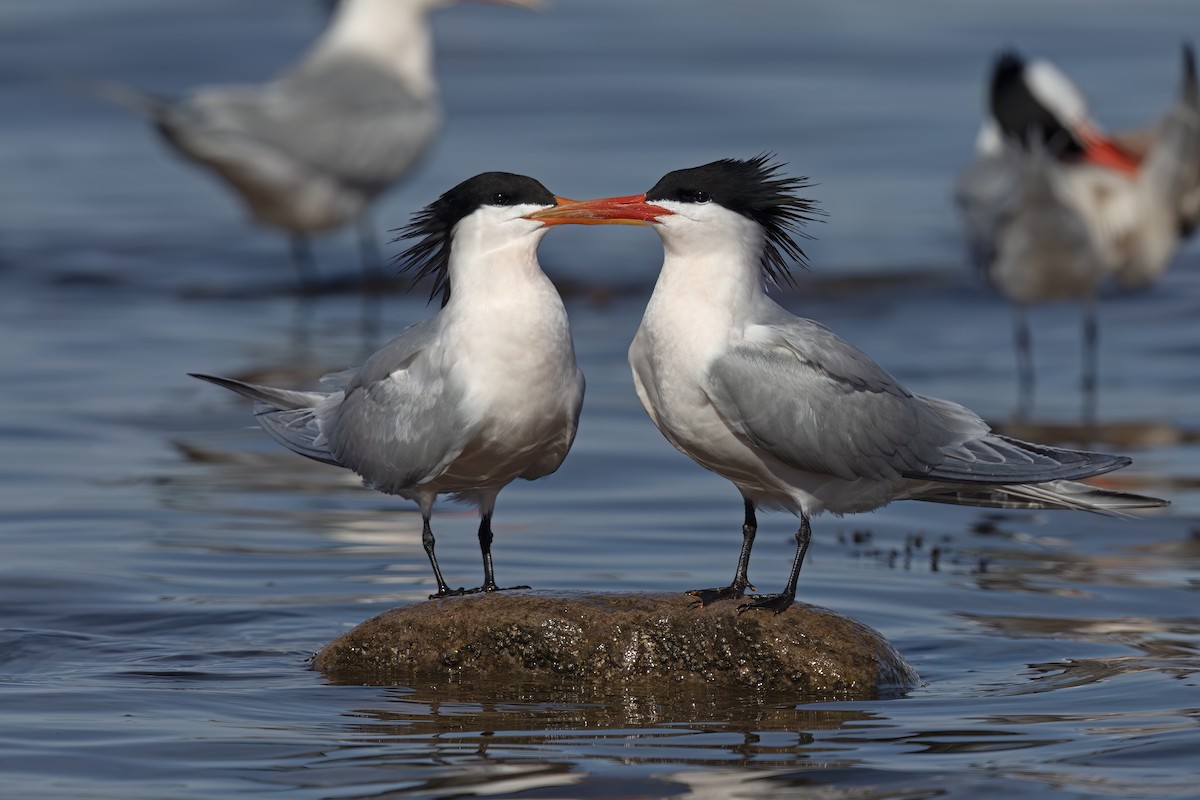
647 640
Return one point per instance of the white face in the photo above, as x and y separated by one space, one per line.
492 228
703 228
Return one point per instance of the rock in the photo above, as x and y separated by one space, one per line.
596 640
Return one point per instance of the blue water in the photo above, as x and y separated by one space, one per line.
165 570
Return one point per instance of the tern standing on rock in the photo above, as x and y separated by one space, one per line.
795 417
310 150
469 400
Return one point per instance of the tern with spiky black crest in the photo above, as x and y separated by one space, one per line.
795 417
484 392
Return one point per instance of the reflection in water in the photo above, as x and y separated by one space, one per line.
834 782
483 739
503 723
1170 646
239 472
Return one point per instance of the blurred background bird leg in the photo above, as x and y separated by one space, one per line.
1025 378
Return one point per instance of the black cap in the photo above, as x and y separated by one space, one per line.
752 188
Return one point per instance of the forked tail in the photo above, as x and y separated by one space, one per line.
288 416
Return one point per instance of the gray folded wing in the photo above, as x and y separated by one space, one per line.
988 194
400 422
817 403
342 117
396 420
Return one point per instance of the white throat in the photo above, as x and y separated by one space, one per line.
491 263
712 259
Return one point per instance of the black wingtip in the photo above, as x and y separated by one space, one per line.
225 383
1191 87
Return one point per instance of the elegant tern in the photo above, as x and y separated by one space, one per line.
797 418
311 149
1053 208
467 401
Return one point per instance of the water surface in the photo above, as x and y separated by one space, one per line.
165 570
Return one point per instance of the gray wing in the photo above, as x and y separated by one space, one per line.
399 423
819 404
988 194
342 117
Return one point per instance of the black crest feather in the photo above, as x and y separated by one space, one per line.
1023 118
433 226
753 188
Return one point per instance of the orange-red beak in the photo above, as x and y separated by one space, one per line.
632 210
1104 152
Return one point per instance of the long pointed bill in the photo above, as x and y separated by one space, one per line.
632 210
1104 152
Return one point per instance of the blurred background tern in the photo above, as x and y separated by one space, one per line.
1055 209
310 150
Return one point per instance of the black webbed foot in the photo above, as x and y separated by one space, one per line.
706 596
778 603
446 591
491 587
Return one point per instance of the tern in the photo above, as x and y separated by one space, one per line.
484 392
1054 209
797 418
310 150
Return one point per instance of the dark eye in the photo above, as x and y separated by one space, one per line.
696 196
501 199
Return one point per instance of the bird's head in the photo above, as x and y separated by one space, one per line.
490 212
1035 105
744 199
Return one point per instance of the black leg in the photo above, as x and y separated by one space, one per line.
369 323
1090 338
1024 364
368 252
301 329
302 258
780 602
741 581
427 541
485 547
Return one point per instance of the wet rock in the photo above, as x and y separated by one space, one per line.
652 640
